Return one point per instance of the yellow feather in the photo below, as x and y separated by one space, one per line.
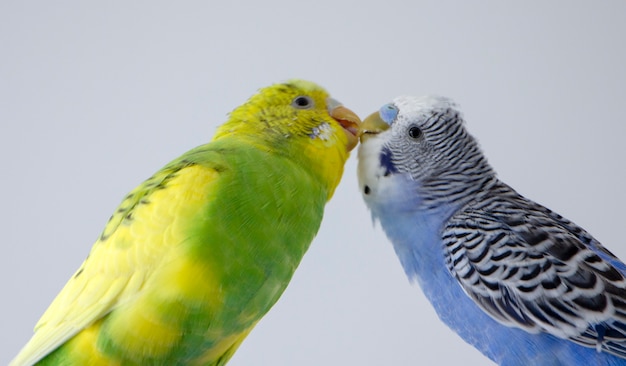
118 266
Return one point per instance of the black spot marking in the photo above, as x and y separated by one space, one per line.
534 272
612 274
527 289
597 303
563 251
488 271
493 286
534 238
583 279
512 273
551 284
386 161
601 330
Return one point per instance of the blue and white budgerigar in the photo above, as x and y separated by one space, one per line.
519 282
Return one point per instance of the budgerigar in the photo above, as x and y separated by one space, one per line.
519 282
197 254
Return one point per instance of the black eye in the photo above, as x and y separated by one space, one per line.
302 102
415 132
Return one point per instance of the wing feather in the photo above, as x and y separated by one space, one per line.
528 267
131 246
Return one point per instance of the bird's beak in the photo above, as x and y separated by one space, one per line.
371 126
347 119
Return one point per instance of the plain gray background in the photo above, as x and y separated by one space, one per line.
95 97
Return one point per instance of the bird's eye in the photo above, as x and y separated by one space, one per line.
302 102
415 132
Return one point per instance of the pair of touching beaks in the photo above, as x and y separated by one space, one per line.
375 123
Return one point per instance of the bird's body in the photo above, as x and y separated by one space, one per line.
197 254
522 284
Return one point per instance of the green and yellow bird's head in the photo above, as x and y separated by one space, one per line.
300 120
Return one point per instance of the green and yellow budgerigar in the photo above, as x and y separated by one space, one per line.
198 253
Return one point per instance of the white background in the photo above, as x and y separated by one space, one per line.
95 97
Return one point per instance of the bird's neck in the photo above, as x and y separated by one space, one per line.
424 217
452 190
416 237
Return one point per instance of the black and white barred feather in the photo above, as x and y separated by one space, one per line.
529 267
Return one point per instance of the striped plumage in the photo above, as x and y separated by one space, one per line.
521 283
196 255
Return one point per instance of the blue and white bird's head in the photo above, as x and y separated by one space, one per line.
422 142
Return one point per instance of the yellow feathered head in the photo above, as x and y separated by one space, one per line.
300 120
